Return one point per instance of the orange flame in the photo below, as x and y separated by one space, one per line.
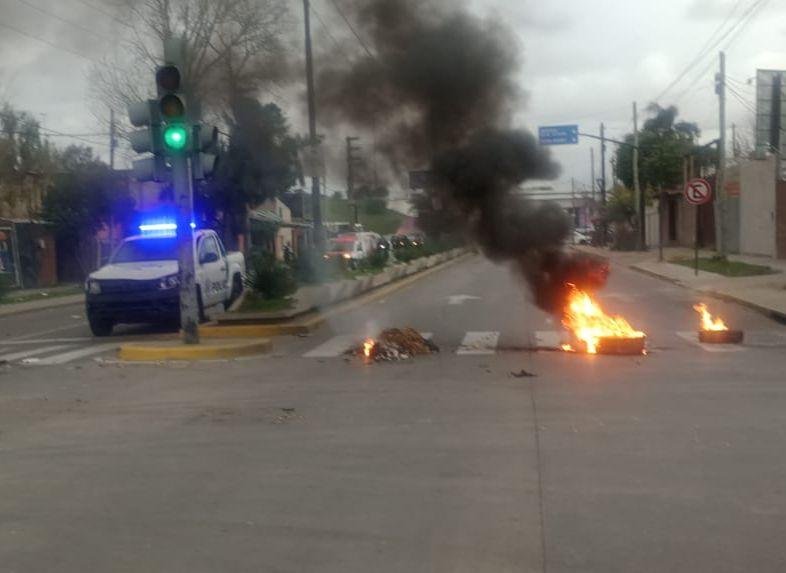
368 347
707 322
586 320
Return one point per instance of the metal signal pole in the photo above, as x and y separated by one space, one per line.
592 174
316 203
112 197
640 203
603 182
720 180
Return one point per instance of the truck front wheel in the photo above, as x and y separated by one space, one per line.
100 326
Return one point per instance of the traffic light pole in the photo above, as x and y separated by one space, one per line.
189 306
316 200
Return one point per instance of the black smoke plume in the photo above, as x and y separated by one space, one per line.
440 88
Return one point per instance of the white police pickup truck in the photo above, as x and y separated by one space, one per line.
140 283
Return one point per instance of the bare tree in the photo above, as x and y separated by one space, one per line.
233 48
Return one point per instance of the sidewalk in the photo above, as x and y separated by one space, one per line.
766 293
19 301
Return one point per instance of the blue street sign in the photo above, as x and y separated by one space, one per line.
558 135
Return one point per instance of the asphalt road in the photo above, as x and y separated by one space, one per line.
305 461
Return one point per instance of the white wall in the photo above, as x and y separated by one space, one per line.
652 228
757 207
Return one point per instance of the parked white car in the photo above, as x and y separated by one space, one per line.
140 284
353 247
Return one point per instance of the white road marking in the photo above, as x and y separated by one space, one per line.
333 347
459 299
477 342
550 339
339 344
15 342
51 331
36 351
76 354
692 336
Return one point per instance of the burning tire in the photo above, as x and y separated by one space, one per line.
721 336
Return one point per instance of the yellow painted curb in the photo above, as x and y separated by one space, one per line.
302 326
152 353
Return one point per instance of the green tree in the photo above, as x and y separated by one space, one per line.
663 143
260 162
83 197
26 161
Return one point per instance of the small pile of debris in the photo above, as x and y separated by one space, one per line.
394 344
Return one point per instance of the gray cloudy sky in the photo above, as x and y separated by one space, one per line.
584 61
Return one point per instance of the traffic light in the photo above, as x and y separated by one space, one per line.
172 110
204 158
146 114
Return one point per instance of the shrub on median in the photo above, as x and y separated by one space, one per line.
268 277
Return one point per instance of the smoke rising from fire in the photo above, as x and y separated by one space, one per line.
441 89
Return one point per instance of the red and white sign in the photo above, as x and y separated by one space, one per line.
698 192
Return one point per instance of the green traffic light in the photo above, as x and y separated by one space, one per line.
176 137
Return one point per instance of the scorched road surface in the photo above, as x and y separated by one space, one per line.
304 461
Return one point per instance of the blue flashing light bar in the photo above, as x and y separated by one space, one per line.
158 227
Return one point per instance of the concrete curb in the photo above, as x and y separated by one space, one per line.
261 330
323 296
765 310
308 323
653 274
43 304
152 352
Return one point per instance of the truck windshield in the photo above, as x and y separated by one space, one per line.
158 249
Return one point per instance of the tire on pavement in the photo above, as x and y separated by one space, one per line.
100 326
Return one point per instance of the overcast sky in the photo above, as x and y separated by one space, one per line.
585 61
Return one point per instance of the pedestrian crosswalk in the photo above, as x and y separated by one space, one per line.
53 352
479 343
61 351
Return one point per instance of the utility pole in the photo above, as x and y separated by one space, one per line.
603 182
113 190
316 203
735 152
640 203
351 159
720 180
603 165
592 173
775 123
573 205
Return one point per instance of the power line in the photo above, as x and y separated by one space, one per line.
105 13
48 43
701 54
332 38
61 19
740 98
735 28
352 28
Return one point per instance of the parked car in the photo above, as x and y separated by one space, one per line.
582 236
141 282
352 248
399 241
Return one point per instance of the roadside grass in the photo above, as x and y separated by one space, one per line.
723 266
14 297
254 302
